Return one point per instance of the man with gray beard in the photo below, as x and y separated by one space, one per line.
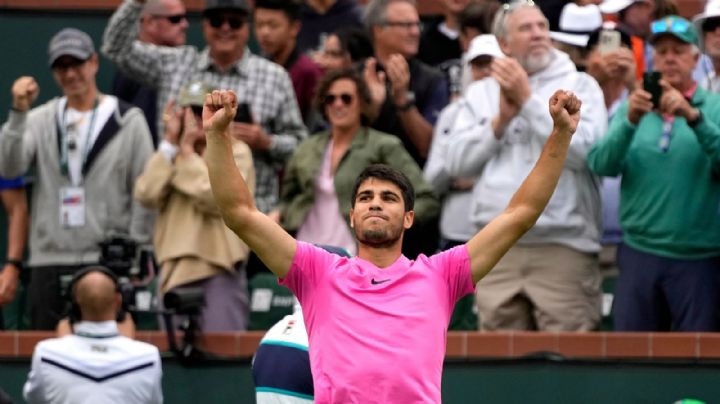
550 279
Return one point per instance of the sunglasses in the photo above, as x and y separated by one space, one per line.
173 19
711 24
217 21
68 64
670 26
346 98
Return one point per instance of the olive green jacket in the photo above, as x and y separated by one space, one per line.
368 147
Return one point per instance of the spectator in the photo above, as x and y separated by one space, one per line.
669 161
634 16
483 49
319 18
343 48
382 313
475 20
277 23
163 23
440 44
14 200
707 23
411 98
281 365
192 244
576 24
456 228
318 182
550 280
614 71
415 92
86 148
276 126
95 363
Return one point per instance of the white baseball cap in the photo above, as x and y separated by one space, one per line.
615 6
483 45
712 10
576 24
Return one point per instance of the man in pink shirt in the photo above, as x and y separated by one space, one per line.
377 322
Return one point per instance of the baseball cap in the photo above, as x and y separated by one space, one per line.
483 45
712 11
240 5
193 94
676 26
576 23
616 6
70 42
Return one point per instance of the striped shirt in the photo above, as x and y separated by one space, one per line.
265 85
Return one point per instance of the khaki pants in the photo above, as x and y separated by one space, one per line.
545 287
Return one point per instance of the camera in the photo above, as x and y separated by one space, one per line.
187 301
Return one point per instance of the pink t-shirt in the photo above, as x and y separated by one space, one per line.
377 335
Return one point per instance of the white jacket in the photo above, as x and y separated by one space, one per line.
572 217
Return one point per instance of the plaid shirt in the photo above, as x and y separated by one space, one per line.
266 86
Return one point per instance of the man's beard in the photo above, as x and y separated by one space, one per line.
380 238
535 63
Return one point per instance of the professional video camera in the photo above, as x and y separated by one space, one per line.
132 264
185 303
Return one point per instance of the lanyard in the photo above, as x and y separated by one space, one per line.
666 136
66 143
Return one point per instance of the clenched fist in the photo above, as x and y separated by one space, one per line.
25 91
219 110
565 110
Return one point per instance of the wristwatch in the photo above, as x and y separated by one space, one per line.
16 263
409 102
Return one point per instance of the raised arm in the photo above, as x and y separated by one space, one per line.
271 243
494 240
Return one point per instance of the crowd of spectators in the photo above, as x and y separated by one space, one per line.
457 103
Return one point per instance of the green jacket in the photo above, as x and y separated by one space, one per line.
368 147
669 199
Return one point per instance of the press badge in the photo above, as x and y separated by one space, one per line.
72 207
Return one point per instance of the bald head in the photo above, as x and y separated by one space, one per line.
97 297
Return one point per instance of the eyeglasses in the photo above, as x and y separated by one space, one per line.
173 19
346 98
670 26
404 24
217 21
711 24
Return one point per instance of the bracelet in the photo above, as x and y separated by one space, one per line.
18 264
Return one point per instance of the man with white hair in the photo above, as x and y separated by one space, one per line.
668 155
550 280
707 24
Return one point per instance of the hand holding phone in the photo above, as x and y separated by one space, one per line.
651 84
244 114
608 41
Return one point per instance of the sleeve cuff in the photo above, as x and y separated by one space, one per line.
168 150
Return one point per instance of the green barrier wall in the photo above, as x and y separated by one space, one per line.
506 382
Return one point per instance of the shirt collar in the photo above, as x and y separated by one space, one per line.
206 63
93 329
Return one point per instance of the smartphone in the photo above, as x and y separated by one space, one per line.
651 84
244 114
609 41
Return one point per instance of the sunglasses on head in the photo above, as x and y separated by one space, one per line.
670 26
711 24
217 21
346 98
